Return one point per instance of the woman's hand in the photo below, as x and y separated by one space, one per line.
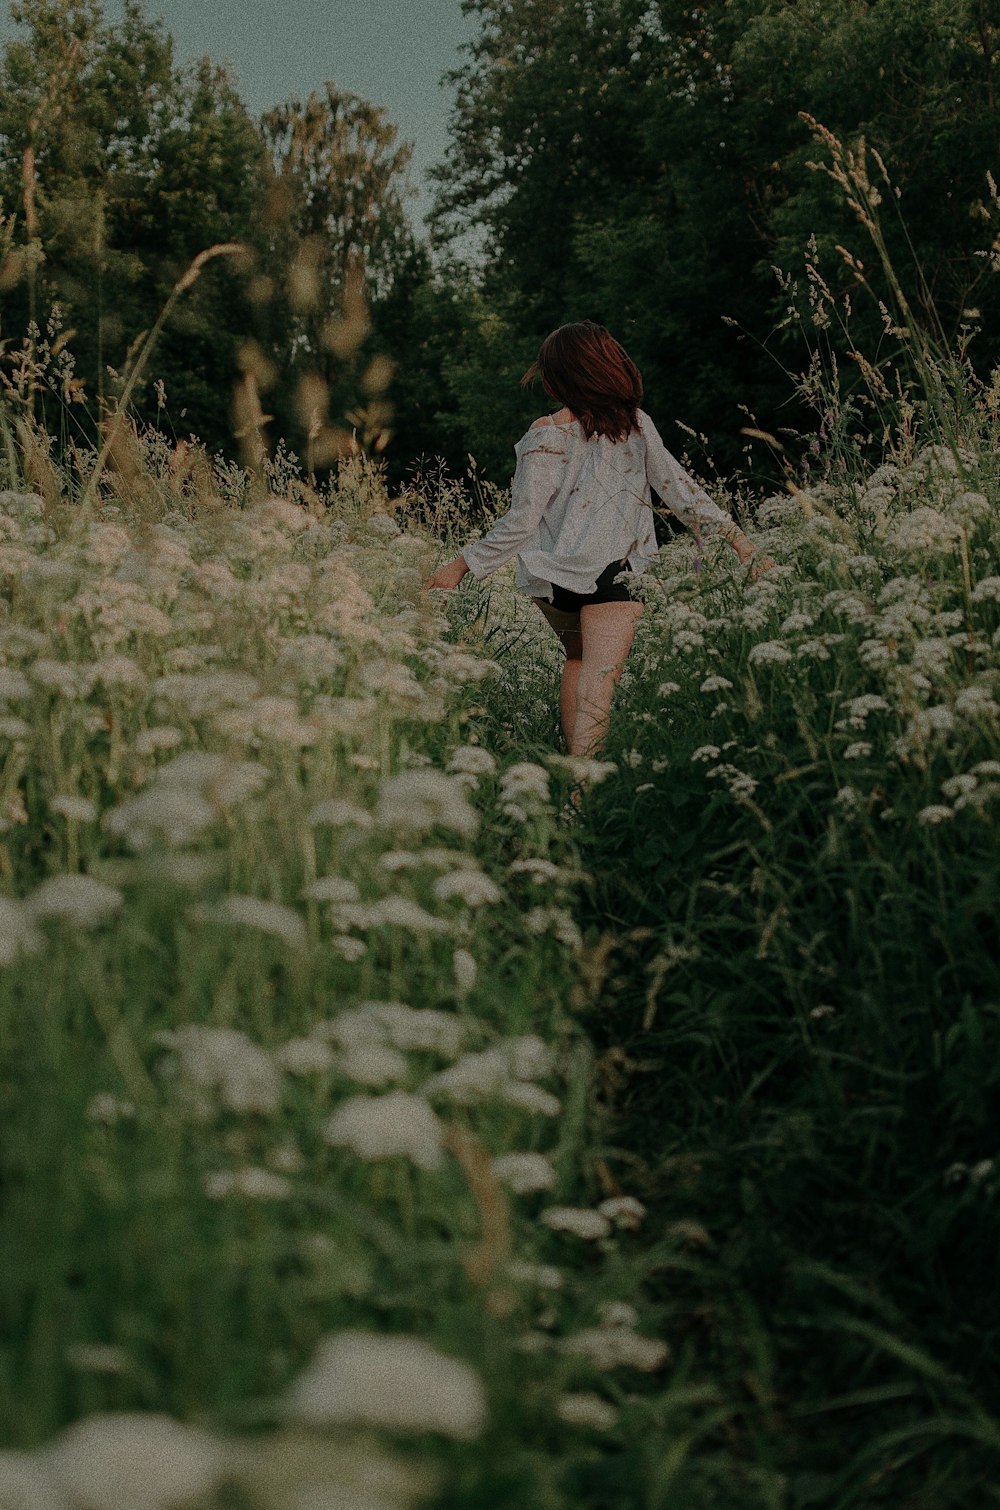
759 565
448 576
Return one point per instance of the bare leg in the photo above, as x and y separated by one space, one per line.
608 630
567 698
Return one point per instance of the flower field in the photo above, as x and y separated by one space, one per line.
300 1202
375 1136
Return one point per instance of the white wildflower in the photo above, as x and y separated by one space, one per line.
483 1074
796 620
543 1276
392 911
925 529
118 671
667 689
858 709
471 760
109 1109
543 872
157 737
18 934
583 768
176 817
936 719
580 1220
61 677
715 684
434 857
859 750
75 809
976 702
77 899
587 1410
371 1063
623 1210
706 752
14 728
226 1062
417 801
465 971
381 1127
473 887
425 1029
524 1172
610 1347
251 1181
337 812
273 918
147 1462
202 694
986 590
397 1383
959 786
14 687
222 781
349 948
524 781
768 651
557 921
530 1098
936 813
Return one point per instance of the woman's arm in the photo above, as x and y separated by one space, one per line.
536 481
690 503
448 576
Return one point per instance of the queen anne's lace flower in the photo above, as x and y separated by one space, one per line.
148 1462
417 801
251 1181
273 918
77 899
473 887
337 812
18 934
397 1383
770 651
524 1172
383 1127
465 971
75 809
471 760
224 1062
936 813
580 1220
586 1410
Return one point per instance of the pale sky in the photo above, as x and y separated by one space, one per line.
392 52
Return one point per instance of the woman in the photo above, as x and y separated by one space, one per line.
581 516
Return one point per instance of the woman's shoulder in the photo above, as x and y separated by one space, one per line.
562 419
547 436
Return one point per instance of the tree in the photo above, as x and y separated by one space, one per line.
336 242
125 167
646 164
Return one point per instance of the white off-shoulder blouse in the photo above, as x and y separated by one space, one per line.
579 504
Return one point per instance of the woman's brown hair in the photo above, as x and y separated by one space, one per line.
583 365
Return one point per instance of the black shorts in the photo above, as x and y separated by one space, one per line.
606 591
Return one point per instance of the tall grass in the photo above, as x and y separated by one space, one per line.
794 889
259 863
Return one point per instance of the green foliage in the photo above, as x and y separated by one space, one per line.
645 165
133 167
